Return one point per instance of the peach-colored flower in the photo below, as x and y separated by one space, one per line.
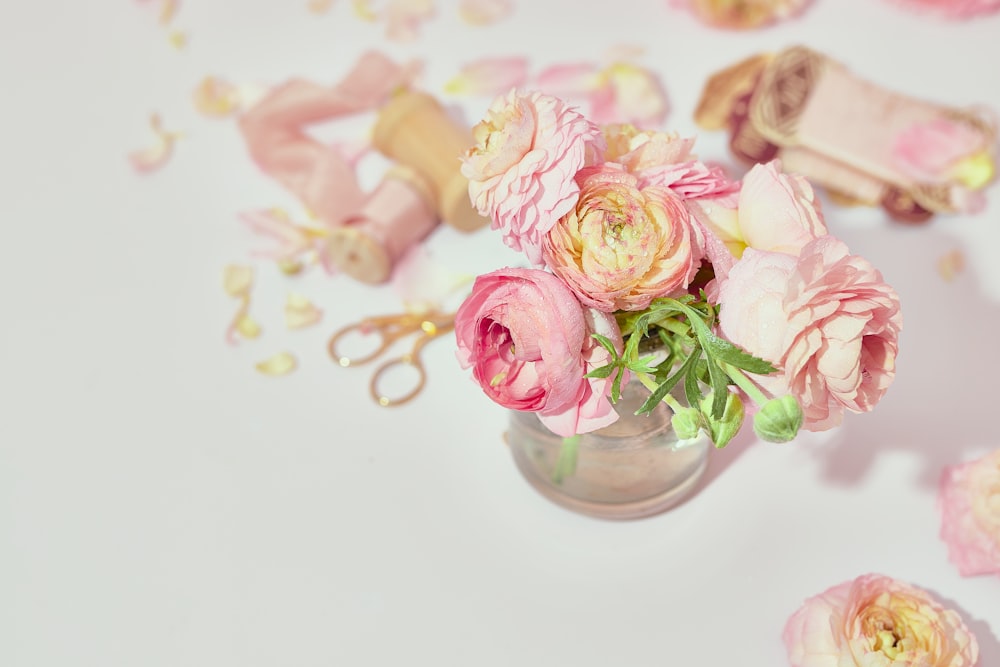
877 621
528 340
743 14
484 12
825 318
622 245
970 506
521 168
776 212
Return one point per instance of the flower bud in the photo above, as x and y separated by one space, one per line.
687 423
779 420
728 425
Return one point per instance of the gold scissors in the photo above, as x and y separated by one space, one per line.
389 329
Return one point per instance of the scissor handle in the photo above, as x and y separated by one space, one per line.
364 329
411 359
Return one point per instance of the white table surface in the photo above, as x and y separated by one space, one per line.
162 503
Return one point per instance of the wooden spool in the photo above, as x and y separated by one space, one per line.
414 130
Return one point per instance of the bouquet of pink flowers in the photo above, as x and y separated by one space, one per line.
648 263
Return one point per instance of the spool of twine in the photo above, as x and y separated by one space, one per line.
413 129
398 214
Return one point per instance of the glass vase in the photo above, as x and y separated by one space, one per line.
636 467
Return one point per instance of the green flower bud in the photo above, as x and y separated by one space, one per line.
779 420
687 423
728 425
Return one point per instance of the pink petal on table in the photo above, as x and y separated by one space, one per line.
152 158
490 76
485 12
567 80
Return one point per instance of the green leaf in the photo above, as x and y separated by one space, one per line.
606 344
667 385
720 382
602 372
722 349
692 390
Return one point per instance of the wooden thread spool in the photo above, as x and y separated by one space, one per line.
414 130
398 214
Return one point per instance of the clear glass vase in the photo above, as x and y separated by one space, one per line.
635 467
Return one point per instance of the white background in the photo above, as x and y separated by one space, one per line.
161 503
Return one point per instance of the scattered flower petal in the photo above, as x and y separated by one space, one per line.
150 159
288 240
951 264
300 312
485 12
425 284
248 327
167 9
320 6
489 76
402 18
953 9
969 499
282 363
216 97
177 39
628 93
237 280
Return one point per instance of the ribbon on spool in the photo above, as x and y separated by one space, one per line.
368 232
414 130
398 214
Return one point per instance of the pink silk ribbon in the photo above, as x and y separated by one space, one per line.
275 132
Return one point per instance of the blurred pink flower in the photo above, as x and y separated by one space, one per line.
484 12
521 168
742 14
621 92
622 245
953 9
970 505
489 76
877 621
528 341
825 318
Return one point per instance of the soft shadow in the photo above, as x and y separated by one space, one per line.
941 402
720 459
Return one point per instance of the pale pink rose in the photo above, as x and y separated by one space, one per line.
521 169
621 246
826 319
970 507
877 621
528 340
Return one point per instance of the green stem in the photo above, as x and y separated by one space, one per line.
566 462
744 383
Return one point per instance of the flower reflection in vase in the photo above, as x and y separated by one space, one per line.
664 298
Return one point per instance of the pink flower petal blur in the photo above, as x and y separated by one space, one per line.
490 76
952 9
154 157
969 499
485 12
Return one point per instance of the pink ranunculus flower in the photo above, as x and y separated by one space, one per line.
826 319
622 245
877 621
970 515
777 212
528 340
521 168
